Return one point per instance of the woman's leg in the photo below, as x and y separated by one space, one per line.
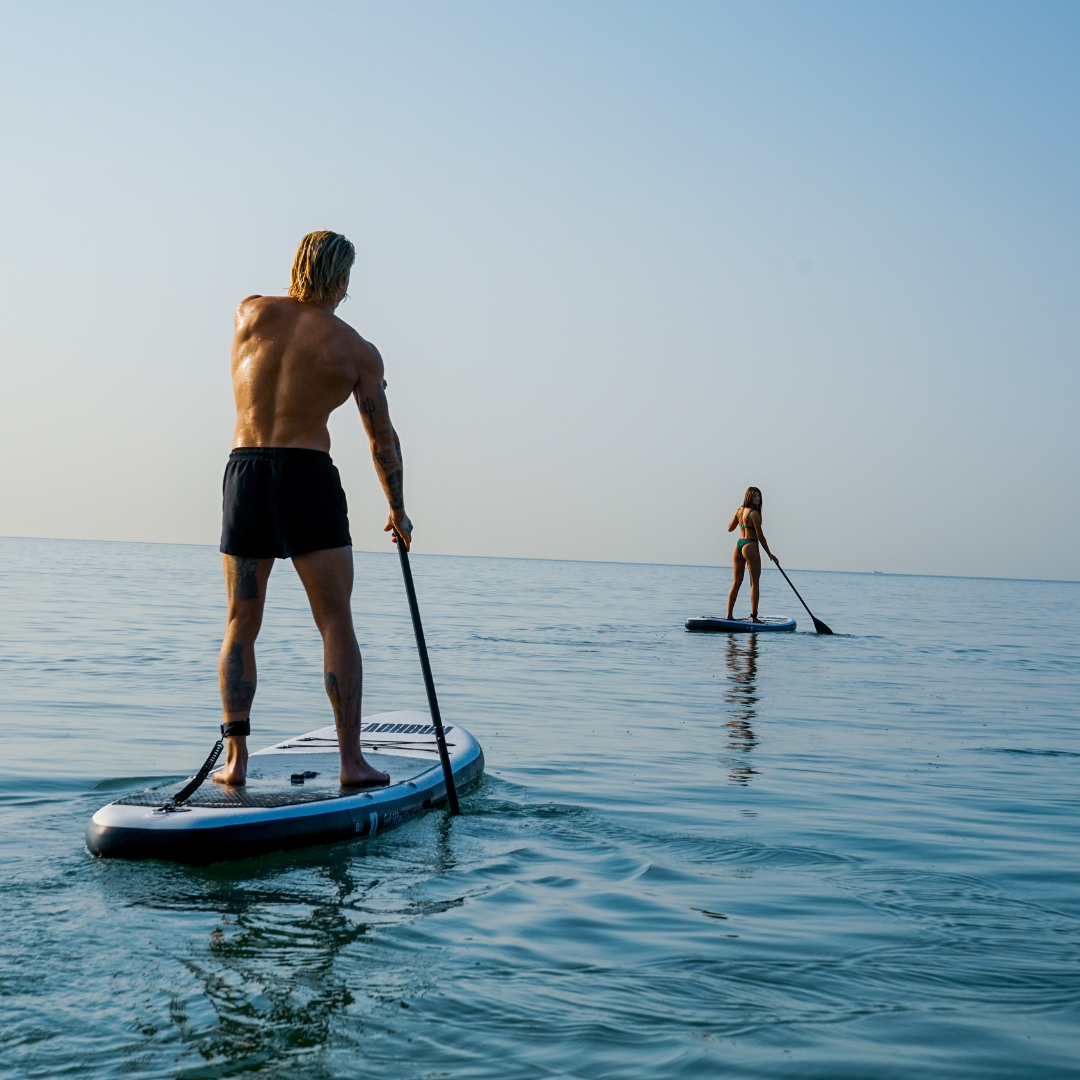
753 558
738 566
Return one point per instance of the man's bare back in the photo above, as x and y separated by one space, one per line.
293 362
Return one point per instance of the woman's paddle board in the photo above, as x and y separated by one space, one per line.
292 797
738 626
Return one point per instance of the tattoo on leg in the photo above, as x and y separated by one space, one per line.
346 700
243 582
237 693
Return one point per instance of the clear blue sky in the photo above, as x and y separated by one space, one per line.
622 260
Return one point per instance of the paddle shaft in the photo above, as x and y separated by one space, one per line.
819 626
429 682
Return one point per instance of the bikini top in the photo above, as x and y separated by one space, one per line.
747 524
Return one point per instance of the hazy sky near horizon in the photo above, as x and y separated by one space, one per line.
621 259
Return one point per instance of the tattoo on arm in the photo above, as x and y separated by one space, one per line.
385 446
237 693
395 488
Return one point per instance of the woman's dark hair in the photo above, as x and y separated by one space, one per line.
749 494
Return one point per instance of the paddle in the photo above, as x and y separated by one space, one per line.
429 682
819 626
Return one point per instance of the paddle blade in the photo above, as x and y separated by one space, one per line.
819 626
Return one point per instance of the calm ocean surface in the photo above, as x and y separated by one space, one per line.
692 855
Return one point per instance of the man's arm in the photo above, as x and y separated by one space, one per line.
370 394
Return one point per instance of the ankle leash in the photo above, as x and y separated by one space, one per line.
237 728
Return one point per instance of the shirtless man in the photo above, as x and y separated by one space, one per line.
293 363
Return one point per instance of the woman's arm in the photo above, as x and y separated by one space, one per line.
734 521
755 520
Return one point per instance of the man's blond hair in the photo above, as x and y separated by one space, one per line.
320 269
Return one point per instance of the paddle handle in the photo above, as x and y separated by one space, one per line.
429 682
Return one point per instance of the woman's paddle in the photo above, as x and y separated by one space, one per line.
429 682
819 626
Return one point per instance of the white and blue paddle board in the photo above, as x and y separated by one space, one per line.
706 624
292 797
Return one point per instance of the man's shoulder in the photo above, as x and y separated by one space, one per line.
368 348
256 306
255 301
349 335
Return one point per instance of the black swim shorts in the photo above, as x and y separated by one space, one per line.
280 501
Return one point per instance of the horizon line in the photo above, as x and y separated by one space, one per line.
595 562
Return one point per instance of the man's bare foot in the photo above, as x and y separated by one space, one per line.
234 774
234 771
360 774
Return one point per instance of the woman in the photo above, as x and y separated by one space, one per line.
748 518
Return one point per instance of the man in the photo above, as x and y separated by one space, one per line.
293 363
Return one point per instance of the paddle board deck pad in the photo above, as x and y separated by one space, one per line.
292 797
738 626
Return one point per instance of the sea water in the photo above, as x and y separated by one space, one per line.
692 855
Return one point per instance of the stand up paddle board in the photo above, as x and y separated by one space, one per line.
738 626
292 797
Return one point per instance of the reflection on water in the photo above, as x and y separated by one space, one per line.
262 983
269 976
742 698
292 953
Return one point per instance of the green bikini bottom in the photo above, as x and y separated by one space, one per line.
740 544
